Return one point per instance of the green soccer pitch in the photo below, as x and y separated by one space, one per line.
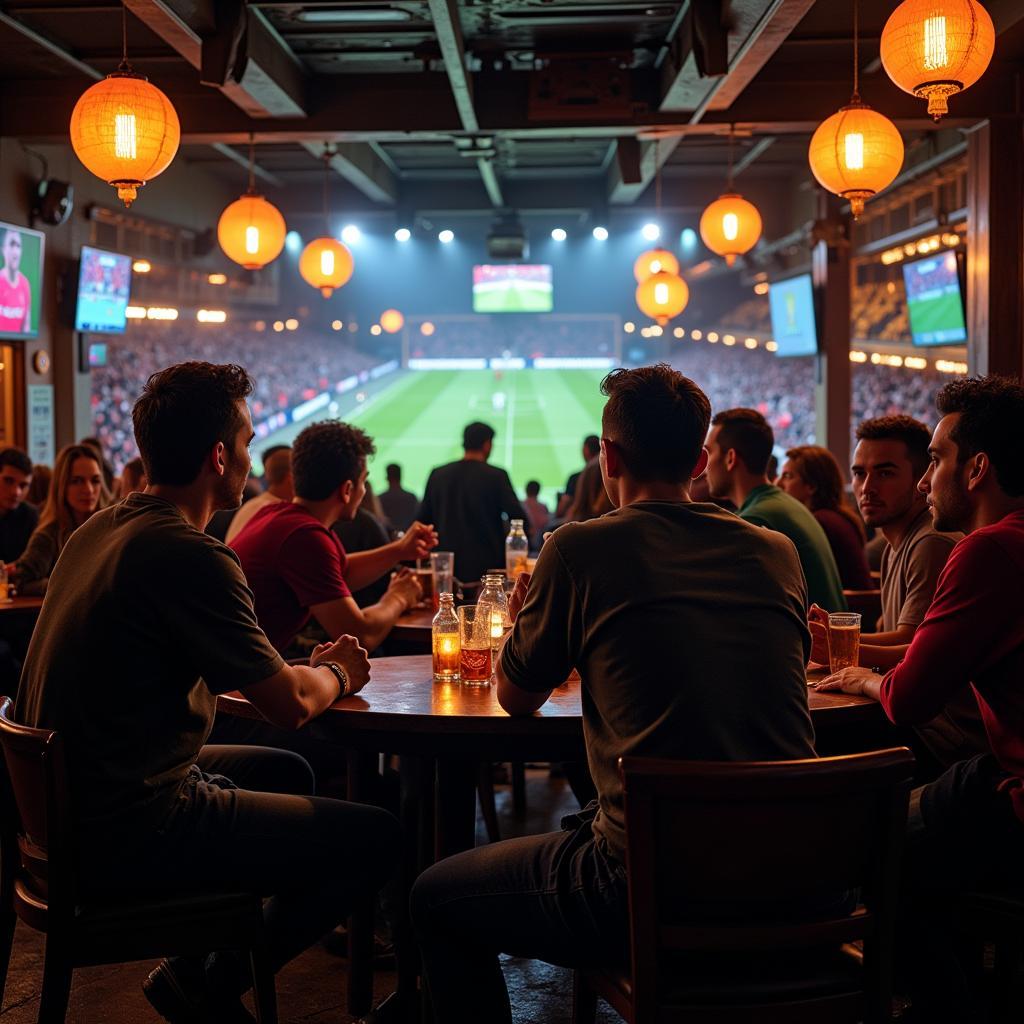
517 296
942 313
416 420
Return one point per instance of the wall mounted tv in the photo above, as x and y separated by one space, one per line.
512 288
104 284
794 326
21 281
935 303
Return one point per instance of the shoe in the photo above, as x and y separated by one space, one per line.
179 993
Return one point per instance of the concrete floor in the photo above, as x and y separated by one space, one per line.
311 989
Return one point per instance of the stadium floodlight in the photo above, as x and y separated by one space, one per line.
403 235
688 239
559 234
601 233
293 241
651 231
350 234
446 236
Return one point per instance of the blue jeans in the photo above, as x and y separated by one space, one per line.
312 857
554 897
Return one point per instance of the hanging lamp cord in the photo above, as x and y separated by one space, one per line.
327 176
732 141
252 163
124 67
856 54
657 182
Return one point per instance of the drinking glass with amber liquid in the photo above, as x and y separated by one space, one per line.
474 646
843 640
517 550
445 641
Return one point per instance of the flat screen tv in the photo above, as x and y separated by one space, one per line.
104 283
512 288
794 327
21 281
935 303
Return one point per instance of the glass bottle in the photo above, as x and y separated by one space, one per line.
445 641
492 605
517 550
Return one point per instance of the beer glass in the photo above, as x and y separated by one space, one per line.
843 640
474 646
442 564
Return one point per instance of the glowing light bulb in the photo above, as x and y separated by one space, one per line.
854 146
252 239
730 226
661 294
125 142
327 262
935 53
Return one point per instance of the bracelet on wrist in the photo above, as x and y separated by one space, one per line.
339 673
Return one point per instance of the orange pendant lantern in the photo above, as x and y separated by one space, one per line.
662 296
326 264
856 153
730 226
251 231
392 321
125 131
937 48
654 261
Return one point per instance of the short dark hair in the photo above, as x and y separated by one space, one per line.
991 411
273 450
592 444
913 433
17 458
327 454
393 471
476 435
658 420
749 434
532 488
182 413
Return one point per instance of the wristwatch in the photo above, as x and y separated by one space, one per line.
339 673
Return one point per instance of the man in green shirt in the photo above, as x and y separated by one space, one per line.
739 446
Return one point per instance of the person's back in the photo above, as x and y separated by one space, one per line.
397 504
771 507
847 547
465 501
674 606
139 580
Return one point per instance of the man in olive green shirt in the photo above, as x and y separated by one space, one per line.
739 446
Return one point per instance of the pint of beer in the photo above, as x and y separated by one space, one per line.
474 646
843 640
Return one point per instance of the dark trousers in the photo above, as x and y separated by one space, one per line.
247 820
962 834
553 897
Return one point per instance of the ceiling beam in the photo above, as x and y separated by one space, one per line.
445 14
54 49
361 166
235 157
272 83
752 154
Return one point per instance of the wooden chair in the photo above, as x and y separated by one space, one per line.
38 884
868 603
734 872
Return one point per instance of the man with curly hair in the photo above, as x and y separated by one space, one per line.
296 564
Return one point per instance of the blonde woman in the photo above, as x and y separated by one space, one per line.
76 492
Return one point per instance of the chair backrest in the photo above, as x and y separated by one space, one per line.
36 813
868 603
756 856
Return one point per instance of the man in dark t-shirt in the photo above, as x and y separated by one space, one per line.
466 501
142 579
687 627
17 517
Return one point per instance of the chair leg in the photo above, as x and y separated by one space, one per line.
584 1000
263 989
485 791
7 923
57 970
519 788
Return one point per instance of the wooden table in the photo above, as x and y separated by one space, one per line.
22 605
411 632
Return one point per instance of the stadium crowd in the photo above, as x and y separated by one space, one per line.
516 337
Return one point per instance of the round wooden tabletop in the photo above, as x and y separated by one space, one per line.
402 710
21 604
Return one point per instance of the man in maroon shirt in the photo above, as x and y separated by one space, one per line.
295 563
966 829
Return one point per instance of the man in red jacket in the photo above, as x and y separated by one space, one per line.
966 829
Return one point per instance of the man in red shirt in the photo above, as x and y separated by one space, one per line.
966 829
295 563
15 290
